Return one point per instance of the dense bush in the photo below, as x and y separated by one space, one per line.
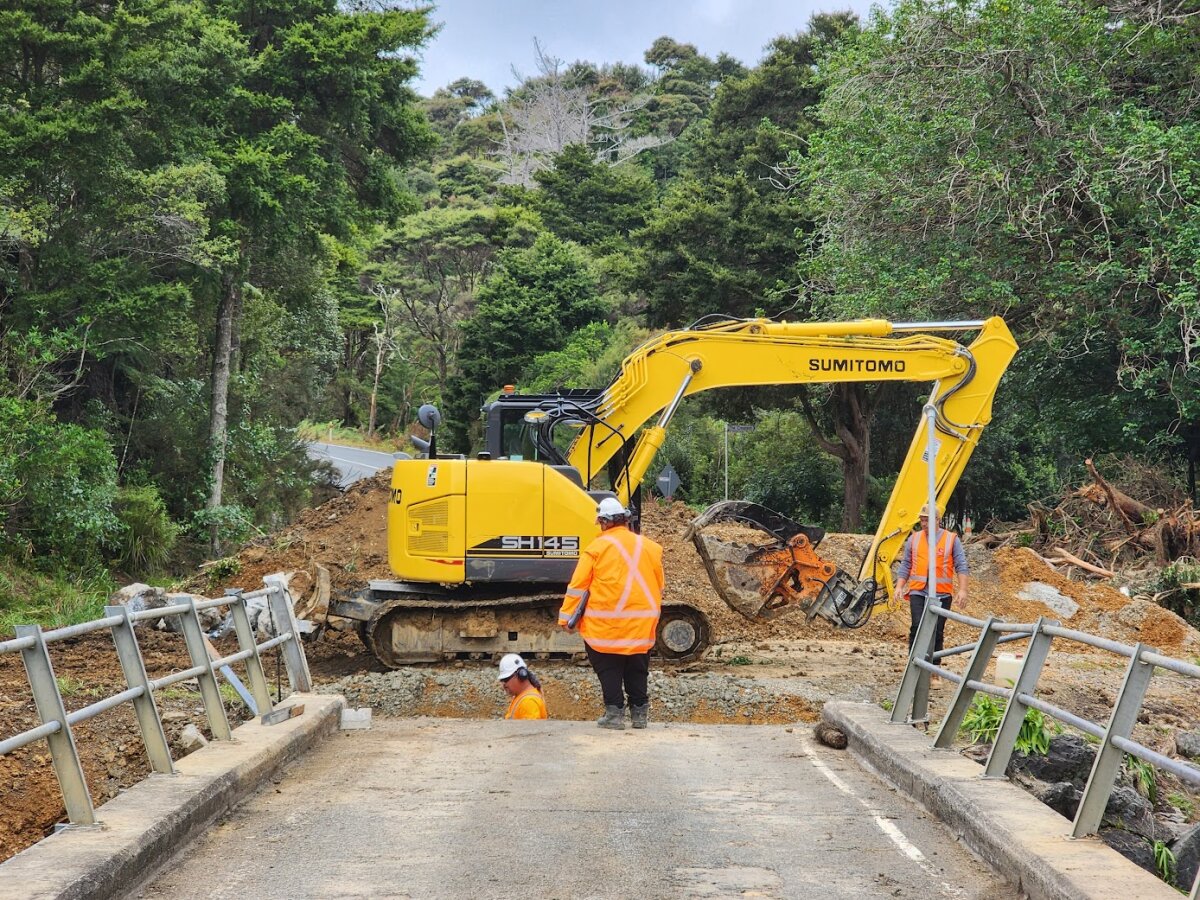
57 487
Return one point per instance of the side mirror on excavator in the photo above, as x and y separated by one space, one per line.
429 416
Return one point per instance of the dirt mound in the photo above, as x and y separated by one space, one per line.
348 536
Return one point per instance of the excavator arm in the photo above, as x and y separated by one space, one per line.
656 377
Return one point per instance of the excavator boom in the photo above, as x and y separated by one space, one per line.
656 377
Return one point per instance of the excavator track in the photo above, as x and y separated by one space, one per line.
405 629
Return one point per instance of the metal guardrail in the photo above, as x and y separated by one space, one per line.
31 642
912 701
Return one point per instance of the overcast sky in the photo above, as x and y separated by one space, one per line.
484 39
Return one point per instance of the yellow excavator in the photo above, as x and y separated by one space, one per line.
482 548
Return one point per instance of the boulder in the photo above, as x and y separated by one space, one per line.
1050 597
1187 857
1129 810
191 740
1132 846
139 597
1062 797
1070 759
1187 743
209 618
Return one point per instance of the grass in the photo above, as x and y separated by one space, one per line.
1164 862
68 686
739 660
177 693
1183 803
335 433
1142 775
33 598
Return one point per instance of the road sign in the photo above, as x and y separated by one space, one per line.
668 481
739 429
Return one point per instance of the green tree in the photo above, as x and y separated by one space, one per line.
430 269
1035 159
589 202
530 304
322 118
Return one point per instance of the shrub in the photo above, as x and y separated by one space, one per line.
147 534
982 722
57 486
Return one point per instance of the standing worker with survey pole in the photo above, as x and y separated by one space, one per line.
949 567
614 599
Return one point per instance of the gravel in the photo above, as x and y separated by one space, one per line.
573 693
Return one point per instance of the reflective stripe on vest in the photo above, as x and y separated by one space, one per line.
919 572
634 576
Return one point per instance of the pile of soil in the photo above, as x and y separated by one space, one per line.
348 536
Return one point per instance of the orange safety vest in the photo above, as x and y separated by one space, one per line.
527 705
918 574
621 575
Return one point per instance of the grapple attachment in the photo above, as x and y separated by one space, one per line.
765 578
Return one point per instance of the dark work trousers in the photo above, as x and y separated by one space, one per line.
616 669
916 603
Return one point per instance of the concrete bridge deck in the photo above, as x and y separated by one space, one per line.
458 808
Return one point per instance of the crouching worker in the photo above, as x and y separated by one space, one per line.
524 688
614 599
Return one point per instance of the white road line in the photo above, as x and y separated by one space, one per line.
354 462
894 834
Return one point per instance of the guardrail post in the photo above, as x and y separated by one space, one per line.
912 700
1108 758
130 656
982 655
63 753
285 620
1014 712
246 641
210 694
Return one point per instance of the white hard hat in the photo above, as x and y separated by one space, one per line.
509 665
611 508
925 511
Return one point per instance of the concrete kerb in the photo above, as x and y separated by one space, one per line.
142 828
1024 840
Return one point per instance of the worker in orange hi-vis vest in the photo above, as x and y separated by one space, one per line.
614 598
524 688
913 576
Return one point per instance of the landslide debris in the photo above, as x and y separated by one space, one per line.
348 537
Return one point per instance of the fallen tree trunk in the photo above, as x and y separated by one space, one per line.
1131 512
1064 556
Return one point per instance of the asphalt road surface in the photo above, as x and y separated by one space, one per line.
486 809
352 463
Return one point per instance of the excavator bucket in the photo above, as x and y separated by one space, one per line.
768 564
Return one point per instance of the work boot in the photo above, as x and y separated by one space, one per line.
640 714
614 718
